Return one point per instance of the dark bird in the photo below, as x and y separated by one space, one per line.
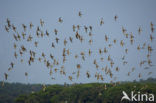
55 30
6 28
115 17
80 14
139 30
101 22
24 27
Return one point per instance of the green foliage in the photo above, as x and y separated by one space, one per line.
10 91
86 93
77 93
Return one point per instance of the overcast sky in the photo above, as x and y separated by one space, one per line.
131 16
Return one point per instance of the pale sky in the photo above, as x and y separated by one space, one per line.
131 16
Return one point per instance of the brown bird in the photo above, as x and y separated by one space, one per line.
51 56
106 38
105 50
123 30
15 46
117 69
57 39
114 41
76 56
100 51
149 48
31 25
122 43
70 78
41 22
90 41
151 38
65 42
74 28
6 76
23 35
151 24
138 47
43 55
152 29
23 48
126 35
29 38
60 20
131 41
78 66
89 52
111 63
68 52
15 54
78 27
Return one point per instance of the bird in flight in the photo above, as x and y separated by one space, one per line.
115 17
60 20
80 14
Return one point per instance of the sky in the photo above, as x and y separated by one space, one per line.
131 15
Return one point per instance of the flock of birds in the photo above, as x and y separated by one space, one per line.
56 65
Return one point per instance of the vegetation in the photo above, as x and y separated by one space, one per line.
76 93
10 91
88 93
